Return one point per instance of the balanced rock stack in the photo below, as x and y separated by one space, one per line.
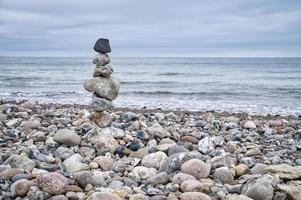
104 87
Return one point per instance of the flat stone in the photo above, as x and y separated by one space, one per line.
285 171
196 168
53 183
102 45
107 88
68 137
8 174
101 59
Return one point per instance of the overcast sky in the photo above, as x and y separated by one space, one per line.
151 28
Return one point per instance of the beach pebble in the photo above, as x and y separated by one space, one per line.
157 131
8 174
154 160
191 186
194 196
73 164
53 183
102 119
241 169
237 197
63 153
250 125
275 123
68 137
83 178
174 149
206 145
104 142
103 196
259 189
224 175
144 172
21 161
196 168
160 178
138 197
21 187
181 177
104 162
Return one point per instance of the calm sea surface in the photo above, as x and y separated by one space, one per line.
253 85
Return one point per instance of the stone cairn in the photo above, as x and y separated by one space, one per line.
104 87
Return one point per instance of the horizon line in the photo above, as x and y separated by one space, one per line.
153 56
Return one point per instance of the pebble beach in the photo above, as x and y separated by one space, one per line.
52 151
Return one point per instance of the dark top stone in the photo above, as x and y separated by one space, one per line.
102 46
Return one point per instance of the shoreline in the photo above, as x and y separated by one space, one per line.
146 154
162 110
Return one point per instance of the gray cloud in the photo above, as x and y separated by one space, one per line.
151 28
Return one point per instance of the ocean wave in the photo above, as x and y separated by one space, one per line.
201 93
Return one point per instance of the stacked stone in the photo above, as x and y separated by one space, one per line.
104 87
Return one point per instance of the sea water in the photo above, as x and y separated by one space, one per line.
251 85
